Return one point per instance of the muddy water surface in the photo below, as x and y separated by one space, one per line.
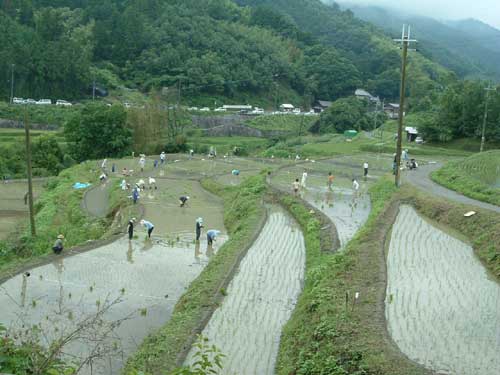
442 307
149 276
348 210
260 300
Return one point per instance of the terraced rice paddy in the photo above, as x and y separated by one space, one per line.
348 210
13 211
149 276
442 308
260 299
485 167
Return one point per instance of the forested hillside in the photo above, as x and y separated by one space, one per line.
208 48
469 48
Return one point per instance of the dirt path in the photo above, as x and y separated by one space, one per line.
421 179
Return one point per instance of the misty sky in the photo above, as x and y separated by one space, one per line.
485 10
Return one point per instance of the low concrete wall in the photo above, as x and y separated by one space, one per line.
13 124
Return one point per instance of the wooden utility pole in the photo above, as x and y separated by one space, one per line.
405 41
30 179
485 118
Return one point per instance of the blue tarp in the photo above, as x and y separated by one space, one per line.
79 185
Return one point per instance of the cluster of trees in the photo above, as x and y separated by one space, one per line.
48 158
348 114
214 47
459 113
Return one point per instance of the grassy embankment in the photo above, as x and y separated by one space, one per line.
477 177
293 124
328 335
243 217
58 210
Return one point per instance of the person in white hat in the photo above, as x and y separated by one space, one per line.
58 245
212 236
149 226
199 226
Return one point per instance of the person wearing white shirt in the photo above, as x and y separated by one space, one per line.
303 183
365 167
355 185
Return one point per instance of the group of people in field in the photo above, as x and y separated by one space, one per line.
138 187
301 184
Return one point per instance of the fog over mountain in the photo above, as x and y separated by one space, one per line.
487 11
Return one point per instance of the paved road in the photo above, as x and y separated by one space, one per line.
421 179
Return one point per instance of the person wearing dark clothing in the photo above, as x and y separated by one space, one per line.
58 245
199 226
130 228
183 200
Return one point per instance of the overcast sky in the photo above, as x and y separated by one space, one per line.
485 10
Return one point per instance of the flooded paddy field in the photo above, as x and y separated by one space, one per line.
13 211
347 209
442 307
147 276
260 299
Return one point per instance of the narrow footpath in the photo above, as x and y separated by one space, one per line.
422 180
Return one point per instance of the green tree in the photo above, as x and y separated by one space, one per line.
344 114
98 131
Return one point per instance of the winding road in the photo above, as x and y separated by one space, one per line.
421 179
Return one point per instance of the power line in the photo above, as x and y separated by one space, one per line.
405 43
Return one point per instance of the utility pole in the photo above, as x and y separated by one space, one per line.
485 118
30 179
405 41
382 127
93 89
12 84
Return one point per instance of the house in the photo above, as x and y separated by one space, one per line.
237 108
392 110
321 105
286 108
365 95
411 133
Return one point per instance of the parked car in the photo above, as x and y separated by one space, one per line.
29 101
419 140
257 111
44 102
296 111
193 109
220 109
205 109
17 100
63 103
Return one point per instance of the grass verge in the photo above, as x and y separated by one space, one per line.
328 333
162 351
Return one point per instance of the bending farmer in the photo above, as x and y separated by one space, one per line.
149 226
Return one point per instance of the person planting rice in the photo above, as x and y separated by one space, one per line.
141 184
183 200
58 245
365 169
152 183
296 186
355 185
130 228
163 157
235 172
303 183
212 236
199 226
142 162
149 226
330 180
135 195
